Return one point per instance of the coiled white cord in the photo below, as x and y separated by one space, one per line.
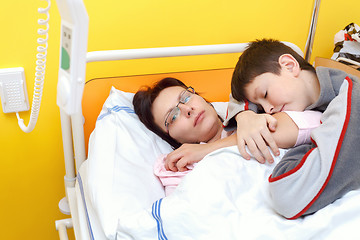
39 70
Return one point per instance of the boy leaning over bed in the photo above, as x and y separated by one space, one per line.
309 177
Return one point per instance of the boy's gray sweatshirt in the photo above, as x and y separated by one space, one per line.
311 176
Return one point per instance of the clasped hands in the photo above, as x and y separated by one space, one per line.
253 130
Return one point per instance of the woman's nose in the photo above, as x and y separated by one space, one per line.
185 109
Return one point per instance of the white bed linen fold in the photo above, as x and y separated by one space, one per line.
227 197
90 227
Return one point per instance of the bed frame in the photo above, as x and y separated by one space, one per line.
76 131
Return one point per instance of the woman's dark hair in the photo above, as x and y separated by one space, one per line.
143 101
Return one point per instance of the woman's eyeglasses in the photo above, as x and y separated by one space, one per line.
185 97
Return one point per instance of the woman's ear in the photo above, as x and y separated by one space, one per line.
290 64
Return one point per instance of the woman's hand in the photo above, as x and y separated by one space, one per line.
189 154
186 155
253 130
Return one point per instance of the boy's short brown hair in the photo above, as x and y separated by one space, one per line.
260 57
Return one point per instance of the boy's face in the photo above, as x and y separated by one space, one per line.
277 93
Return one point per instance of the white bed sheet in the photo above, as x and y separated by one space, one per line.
226 197
90 227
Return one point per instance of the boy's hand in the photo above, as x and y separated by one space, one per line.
185 155
253 130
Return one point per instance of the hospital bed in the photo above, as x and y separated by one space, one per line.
114 194
89 219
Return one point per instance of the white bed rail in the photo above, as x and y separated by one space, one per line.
164 52
126 54
62 226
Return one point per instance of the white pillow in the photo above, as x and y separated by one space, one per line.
122 152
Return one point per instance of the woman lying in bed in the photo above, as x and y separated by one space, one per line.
184 119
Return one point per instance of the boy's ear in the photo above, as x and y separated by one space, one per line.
290 64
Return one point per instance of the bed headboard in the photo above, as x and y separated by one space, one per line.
213 85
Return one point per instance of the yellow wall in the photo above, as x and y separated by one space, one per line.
32 169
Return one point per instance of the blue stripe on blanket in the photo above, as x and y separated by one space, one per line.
116 108
86 211
156 215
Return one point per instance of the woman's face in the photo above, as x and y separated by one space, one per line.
196 121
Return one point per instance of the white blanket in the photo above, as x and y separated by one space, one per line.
227 197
